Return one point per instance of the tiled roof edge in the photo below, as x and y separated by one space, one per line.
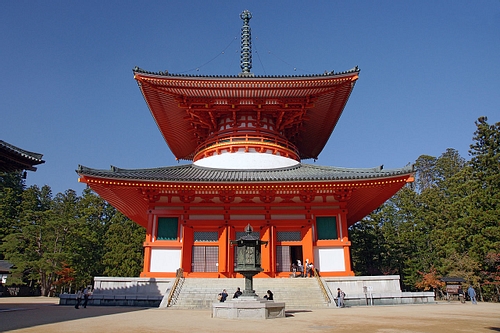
325 74
190 172
22 152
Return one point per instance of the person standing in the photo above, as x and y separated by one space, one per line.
461 295
300 268
79 294
472 295
86 294
340 298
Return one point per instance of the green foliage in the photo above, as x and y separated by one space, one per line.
446 224
62 242
123 245
11 189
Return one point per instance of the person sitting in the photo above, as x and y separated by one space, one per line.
269 296
222 296
237 293
311 269
294 270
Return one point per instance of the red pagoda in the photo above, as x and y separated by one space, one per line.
246 136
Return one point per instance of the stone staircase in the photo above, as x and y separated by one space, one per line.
297 293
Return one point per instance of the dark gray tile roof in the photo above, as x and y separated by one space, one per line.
166 73
35 157
13 158
190 172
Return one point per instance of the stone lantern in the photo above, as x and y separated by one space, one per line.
248 258
248 305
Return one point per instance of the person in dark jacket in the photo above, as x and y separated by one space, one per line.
79 295
269 296
237 293
223 295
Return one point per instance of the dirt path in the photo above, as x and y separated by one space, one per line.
41 315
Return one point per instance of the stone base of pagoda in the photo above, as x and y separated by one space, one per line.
248 307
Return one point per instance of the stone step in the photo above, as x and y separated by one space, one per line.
295 292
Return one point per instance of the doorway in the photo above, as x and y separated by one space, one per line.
286 256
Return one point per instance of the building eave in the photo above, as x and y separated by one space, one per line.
13 158
127 189
327 95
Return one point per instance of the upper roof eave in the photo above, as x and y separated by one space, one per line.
162 91
166 74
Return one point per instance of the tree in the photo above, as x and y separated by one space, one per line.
491 276
123 247
485 199
94 219
430 280
11 189
41 242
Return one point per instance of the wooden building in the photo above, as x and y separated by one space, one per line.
247 137
14 159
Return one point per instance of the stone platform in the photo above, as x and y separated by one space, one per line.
246 307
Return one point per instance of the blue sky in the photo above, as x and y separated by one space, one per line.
429 69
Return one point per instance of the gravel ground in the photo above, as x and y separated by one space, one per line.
41 314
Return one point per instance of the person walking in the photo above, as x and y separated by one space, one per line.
472 295
86 294
79 294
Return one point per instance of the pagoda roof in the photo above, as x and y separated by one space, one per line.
371 186
194 173
324 97
13 158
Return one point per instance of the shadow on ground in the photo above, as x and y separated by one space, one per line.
17 316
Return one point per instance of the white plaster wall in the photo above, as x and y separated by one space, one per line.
353 285
165 260
241 160
330 259
105 285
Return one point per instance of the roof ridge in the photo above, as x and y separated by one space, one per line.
193 173
20 151
137 69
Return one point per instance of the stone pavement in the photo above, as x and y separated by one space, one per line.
41 314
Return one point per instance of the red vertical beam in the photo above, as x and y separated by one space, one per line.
223 245
266 253
147 245
345 241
